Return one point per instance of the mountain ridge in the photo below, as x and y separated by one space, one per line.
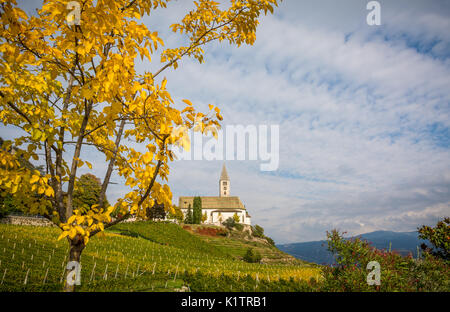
316 251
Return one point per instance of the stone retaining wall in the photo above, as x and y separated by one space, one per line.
25 220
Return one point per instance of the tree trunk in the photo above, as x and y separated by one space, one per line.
76 248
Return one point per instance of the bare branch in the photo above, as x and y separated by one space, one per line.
111 164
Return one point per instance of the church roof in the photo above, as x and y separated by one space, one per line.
213 202
224 174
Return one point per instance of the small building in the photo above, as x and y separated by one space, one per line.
219 208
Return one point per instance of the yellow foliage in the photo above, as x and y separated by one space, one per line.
68 86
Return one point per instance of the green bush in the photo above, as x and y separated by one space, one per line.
229 223
9 204
238 226
270 241
252 257
258 231
439 237
398 273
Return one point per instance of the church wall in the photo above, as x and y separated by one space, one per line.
214 218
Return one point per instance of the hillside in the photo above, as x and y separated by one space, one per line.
236 244
316 251
144 256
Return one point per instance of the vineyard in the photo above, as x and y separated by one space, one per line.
142 256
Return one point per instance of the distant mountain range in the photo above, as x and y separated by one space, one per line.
403 242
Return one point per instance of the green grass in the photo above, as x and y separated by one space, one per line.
141 256
166 233
236 246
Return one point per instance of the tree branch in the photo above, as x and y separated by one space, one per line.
111 164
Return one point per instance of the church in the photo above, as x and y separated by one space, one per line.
219 208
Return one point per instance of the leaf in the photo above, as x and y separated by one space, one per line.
187 102
80 230
72 233
49 192
63 234
36 134
187 109
14 189
71 219
147 158
80 219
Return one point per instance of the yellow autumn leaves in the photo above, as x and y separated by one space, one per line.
71 86
12 176
84 225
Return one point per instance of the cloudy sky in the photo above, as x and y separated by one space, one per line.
363 113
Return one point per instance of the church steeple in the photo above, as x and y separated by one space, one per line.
224 183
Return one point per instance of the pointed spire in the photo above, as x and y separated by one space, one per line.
224 174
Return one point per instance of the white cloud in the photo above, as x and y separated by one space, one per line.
355 112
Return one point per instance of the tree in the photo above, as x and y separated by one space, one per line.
14 203
197 212
204 217
156 212
189 217
439 237
176 214
87 192
236 218
69 81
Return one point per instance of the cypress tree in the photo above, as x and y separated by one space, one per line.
197 214
189 216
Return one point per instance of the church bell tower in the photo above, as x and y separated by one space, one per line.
224 183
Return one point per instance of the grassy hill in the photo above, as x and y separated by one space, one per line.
146 256
237 243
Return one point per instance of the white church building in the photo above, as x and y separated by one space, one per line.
219 208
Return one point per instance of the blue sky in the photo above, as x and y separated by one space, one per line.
363 114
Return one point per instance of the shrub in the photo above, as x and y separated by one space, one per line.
398 273
229 223
439 237
8 205
258 231
270 241
238 226
252 257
